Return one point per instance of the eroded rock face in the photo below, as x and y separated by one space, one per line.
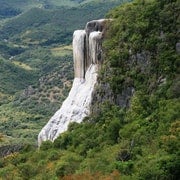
95 25
95 47
87 55
79 49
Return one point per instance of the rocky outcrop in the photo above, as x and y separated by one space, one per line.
87 55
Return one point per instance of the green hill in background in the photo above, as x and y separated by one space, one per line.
11 8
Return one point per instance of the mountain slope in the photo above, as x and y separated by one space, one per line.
48 26
12 8
138 139
36 63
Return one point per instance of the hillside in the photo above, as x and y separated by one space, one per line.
36 62
43 26
133 130
12 8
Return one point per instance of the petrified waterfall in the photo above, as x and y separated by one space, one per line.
87 55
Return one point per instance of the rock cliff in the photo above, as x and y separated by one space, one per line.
87 56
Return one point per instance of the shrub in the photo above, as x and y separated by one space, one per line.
46 145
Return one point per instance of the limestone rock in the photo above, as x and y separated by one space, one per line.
95 25
87 55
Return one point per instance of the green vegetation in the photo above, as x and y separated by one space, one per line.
136 142
30 94
36 69
14 73
55 26
11 8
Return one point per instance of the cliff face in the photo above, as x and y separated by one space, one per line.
87 55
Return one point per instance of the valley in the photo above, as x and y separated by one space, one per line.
36 61
132 129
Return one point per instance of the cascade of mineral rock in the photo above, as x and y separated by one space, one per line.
87 51
79 53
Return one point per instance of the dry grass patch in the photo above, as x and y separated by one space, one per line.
61 51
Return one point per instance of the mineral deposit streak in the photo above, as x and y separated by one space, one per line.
87 49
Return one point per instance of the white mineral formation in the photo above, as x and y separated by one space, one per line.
87 49
79 37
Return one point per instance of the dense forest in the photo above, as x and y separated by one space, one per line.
133 133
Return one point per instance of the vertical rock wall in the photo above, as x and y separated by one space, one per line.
87 50
79 50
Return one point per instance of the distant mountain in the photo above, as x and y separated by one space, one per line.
10 8
55 25
133 131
